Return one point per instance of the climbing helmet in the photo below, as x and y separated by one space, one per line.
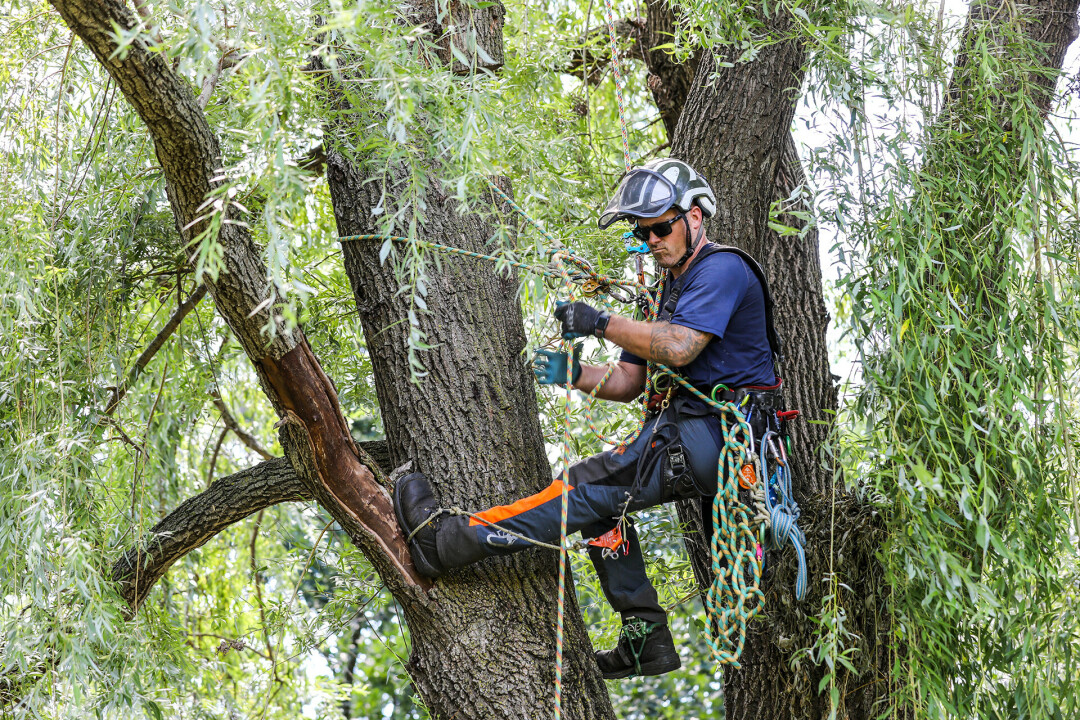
652 189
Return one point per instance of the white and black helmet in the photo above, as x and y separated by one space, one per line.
652 189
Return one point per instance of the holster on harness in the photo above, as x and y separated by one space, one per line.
759 405
679 480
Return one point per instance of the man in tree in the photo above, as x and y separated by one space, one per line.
713 329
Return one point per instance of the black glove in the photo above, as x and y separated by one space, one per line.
579 319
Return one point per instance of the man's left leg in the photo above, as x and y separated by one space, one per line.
645 645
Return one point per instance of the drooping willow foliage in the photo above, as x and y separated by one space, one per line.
958 257
955 218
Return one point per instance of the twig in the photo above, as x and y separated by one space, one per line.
148 354
209 84
311 556
139 461
230 422
56 124
102 116
258 594
123 436
213 458
232 643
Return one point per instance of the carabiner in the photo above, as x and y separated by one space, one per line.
718 386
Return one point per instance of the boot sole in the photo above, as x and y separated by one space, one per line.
648 669
423 567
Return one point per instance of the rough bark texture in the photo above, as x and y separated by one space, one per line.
485 646
737 133
473 30
316 436
736 130
195 521
669 81
592 51
1049 23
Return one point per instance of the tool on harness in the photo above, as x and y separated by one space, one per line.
612 543
628 238
747 477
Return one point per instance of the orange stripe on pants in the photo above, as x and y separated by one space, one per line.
502 512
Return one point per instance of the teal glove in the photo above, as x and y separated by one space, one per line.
549 366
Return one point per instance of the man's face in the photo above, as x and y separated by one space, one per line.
669 249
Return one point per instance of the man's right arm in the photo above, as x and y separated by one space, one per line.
627 381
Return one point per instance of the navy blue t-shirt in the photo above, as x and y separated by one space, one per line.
722 295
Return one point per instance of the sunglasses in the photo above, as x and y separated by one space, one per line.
660 229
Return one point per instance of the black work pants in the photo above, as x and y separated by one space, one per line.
599 487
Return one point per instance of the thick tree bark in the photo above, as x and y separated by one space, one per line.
668 81
484 646
736 130
472 427
227 501
195 521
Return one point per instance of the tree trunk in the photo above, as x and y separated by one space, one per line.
736 130
483 641
668 81
485 644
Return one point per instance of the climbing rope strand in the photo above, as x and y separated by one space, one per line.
455 510
609 16
599 282
528 218
783 512
568 348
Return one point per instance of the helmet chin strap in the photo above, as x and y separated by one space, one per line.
689 245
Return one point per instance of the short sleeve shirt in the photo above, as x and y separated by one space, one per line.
722 295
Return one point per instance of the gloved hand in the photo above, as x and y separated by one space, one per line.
549 366
578 319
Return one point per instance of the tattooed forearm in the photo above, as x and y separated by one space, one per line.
676 345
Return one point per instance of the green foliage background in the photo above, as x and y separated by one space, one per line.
955 231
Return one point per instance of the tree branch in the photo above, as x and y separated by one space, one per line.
230 422
592 50
333 469
228 500
156 344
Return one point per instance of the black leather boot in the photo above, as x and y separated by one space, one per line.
439 542
644 648
414 504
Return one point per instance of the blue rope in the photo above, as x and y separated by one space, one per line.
783 510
